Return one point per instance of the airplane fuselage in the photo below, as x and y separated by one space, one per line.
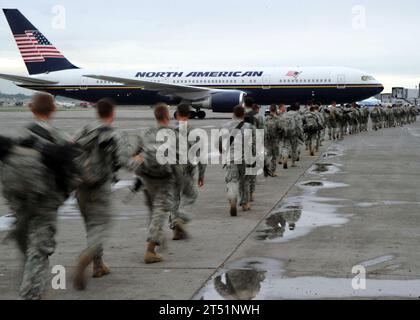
265 85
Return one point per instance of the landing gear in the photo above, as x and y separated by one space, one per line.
193 115
201 114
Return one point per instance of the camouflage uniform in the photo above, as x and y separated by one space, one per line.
237 181
321 132
390 117
258 124
159 188
186 191
332 123
291 143
375 116
36 221
311 135
95 200
273 135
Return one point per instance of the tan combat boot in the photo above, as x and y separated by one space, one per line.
100 269
180 232
80 279
233 208
152 257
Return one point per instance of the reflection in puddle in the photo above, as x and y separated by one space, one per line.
313 184
324 168
298 216
265 280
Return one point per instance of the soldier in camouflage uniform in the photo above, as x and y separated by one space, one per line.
252 116
341 121
159 179
101 142
375 116
273 136
390 116
36 212
311 127
322 126
413 114
331 118
292 140
235 134
186 191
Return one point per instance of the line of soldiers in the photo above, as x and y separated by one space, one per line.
43 165
392 116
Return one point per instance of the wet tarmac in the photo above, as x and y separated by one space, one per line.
355 204
264 279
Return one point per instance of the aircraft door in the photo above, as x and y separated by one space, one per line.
84 83
341 81
266 83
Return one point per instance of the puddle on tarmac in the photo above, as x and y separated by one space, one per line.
6 222
313 184
413 132
263 279
385 203
322 168
377 261
298 216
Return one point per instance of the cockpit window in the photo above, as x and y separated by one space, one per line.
367 78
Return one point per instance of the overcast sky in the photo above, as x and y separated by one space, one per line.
137 34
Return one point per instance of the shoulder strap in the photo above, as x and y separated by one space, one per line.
238 127
41 132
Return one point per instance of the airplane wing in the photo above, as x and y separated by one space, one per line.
25 80
182 91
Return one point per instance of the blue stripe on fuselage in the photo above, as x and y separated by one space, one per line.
276 94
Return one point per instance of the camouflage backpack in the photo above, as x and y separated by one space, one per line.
272 128
288 124
311 122
96 162
375 114
23 172
152 166
339 114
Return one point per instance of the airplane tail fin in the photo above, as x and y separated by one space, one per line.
39 55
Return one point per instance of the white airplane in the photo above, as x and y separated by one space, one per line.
219 89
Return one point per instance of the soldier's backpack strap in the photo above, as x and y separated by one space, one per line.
41 132
6 145
238 127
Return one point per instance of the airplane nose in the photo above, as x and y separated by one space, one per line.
380 88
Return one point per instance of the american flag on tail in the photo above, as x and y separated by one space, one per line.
34 47
293 74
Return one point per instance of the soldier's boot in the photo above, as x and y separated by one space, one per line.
292 226
100 269
80 278
312 152
179 229
246 207
285 160
252 196
233 208
294 164
152 257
